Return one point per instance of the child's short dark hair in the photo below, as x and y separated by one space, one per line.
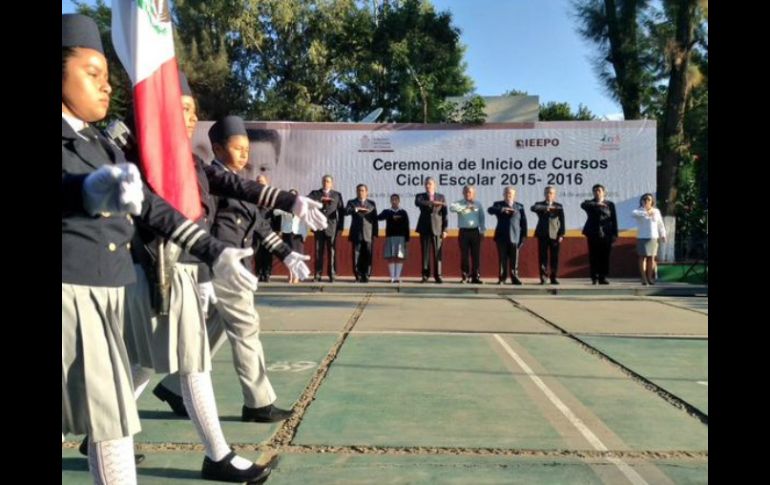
266 135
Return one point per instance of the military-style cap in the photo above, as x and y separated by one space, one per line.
80 31
226 127
186 91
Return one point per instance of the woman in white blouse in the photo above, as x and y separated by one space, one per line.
294 232
649 223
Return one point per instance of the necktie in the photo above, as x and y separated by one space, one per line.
89 132
513 228
92 134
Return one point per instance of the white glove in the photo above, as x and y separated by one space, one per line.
295 262
113 188
229 270
207 295
132 190
309 212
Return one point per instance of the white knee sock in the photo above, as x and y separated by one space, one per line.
392 270
112 462
198 395
141 377
399 267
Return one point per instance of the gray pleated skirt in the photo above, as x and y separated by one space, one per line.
395 247
173 343
97 393
647 247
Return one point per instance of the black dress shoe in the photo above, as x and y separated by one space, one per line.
500 282
224 471
317 277
265 414
603 281
593 281
464 280
331 279
176 403
83 449
439 280
424 279
516 280
554 281
477 281
542 280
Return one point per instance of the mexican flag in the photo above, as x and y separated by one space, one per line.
143 40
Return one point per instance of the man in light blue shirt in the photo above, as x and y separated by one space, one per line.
470 221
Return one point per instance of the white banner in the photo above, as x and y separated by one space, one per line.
397 158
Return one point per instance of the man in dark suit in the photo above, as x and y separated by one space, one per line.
601 230
549 233
510 233
334 210
363 230
431 226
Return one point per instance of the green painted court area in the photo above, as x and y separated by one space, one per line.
679 366
288 374
459 388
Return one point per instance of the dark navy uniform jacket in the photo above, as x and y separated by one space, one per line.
96 250
213 183
237 222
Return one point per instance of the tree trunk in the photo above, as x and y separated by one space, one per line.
673 146
624 55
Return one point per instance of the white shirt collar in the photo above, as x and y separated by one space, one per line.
75 123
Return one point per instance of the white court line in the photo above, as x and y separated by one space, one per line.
589 435
482 333
705 383
393 332
408 332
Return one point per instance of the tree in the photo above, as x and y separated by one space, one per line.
470 112
412 63
668 53
613 26
320 60
557 111
553 111
675 147
207 50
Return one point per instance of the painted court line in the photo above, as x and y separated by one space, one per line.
589 435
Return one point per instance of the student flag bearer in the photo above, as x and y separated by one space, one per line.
141 34
144 43
142 37
101 198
